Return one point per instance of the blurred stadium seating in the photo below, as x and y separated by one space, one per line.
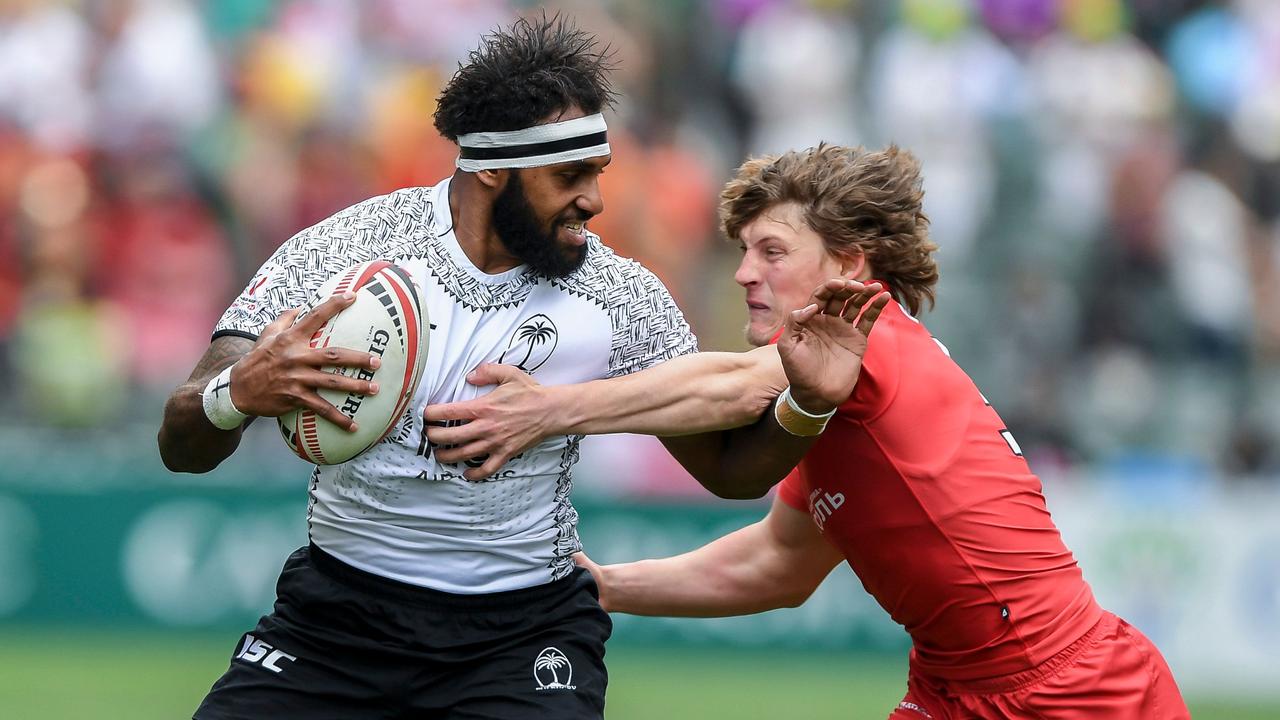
1103 178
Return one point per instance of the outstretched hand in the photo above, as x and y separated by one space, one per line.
822 344
283 372
497 426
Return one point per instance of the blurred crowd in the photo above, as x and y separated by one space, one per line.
1103 178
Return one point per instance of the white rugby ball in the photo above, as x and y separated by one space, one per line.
388 319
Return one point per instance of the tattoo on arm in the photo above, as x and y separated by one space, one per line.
222 353
188 442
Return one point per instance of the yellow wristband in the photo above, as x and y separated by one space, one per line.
795 419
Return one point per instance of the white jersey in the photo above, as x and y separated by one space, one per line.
394 510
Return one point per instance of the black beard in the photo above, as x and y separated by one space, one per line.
517 227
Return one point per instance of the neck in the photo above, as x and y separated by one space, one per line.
471 206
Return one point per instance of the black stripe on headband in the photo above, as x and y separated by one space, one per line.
533 149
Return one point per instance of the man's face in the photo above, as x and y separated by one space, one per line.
783 261
540 215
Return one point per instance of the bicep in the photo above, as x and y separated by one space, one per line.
801 549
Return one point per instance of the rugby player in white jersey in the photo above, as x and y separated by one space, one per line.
422 593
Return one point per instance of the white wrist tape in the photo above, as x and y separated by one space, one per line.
796 420
217 403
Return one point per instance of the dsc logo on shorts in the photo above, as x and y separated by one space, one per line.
549 666
254 651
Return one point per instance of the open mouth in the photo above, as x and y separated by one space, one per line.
575 233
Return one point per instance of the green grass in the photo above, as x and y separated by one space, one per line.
145 676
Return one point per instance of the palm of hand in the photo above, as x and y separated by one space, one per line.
822 357
822 345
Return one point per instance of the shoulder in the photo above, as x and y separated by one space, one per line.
396 225
608 279
882 362
647 325
394 217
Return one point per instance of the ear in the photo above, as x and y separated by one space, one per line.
854 266
493 179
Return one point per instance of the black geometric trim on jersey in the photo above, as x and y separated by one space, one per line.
566 516
394 227
469 292
234 333
533 149
312 486
648 326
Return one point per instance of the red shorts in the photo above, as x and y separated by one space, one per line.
1113 672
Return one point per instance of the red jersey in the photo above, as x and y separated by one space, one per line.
922 487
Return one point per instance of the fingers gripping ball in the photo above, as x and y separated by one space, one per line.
387 319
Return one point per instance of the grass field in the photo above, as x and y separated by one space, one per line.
149 676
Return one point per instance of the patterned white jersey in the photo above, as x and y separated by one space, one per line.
394 510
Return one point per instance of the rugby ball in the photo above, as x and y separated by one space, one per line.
388 319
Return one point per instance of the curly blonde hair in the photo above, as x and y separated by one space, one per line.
859 201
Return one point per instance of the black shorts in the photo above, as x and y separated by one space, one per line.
344 644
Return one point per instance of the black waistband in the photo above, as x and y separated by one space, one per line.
368 582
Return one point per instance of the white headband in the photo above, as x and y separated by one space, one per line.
566 141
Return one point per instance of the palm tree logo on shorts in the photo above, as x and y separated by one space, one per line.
531 344
547 668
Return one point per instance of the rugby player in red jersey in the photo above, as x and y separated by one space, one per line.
916 482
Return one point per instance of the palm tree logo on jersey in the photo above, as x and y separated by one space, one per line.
531 344
547 667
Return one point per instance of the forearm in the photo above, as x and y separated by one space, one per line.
742 463
738 574
691 394
188 441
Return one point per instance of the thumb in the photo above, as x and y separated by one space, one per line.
494 374
581 560
803 315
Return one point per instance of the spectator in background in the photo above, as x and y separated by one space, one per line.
68 348
161 261
796 64
45 54
1033 116
155 74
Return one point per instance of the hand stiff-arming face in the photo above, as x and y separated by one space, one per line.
540 215
783 261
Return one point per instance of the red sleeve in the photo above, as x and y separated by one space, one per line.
792 491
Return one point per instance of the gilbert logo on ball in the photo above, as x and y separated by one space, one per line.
386 319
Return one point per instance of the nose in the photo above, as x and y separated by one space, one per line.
747 273
591 201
